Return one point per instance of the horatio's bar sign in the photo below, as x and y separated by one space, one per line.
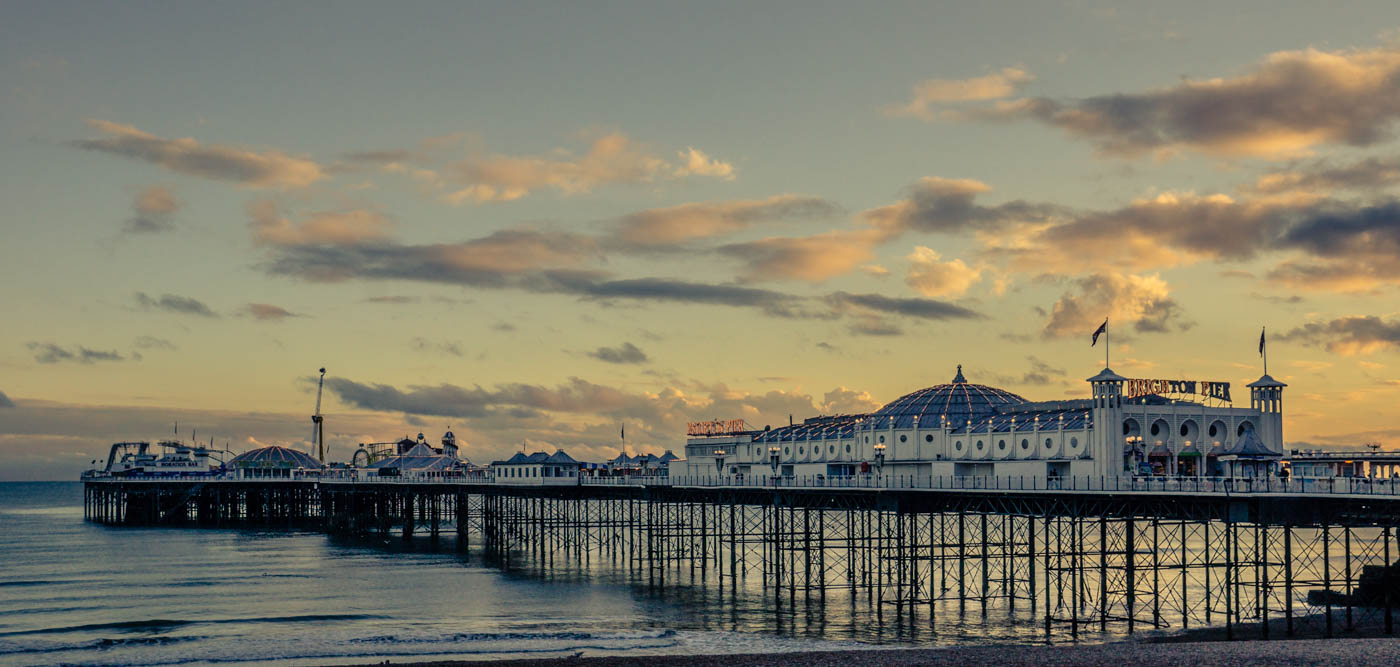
1219 390
716 427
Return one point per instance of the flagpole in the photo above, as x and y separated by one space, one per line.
1264 348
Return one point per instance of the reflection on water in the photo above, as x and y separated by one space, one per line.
79 592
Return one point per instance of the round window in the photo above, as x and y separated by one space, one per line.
1025 444
1184 430
1001 444
1049 443
799 451
848 449
1212 430
958 445
882 439
867 439
787 450
979 445
904 438
1073 443
831 449
928 438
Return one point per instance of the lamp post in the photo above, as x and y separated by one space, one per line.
879 459
719 462
773 462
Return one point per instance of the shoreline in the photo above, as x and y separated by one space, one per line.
1349 651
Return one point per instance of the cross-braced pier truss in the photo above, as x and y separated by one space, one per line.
1061 565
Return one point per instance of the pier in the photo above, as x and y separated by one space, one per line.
1086 557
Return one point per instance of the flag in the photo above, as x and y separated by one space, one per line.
1103 328
1261 342
624 431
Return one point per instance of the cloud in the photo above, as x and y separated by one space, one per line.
262 169
397 299
334 227
810 258
153 211
696 163
49 353
874 326
927 309
660 227
626 353
1322 176
1041 373
1347 336
931 277
1142 301
267 312
845 401
1289 102
932 92
450 348
611 159
153 343
5 401
175 303
937 204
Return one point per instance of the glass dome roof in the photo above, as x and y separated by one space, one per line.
958 400
274 457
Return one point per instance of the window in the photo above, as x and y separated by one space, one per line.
787 450
928 438
904 438
831 450
848 448
1073 443
1212 430
1184 430
979 445
1156 428
799 451
867 439
958 445
1025 444
1001 445
882 439
1049 443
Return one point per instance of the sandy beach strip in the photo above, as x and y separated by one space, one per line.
1373 651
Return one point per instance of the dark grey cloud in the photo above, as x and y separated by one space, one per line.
265 168
1041 373
50 353
625 353
927 309
5 401
175 303
1356 334
1290 101
505 327
949 205
875 327
450 348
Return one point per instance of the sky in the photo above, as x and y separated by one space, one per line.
537 223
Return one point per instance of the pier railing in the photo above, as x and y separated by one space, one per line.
1351 486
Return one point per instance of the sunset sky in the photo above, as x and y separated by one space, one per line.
536 222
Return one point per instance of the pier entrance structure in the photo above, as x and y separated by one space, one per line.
1127 427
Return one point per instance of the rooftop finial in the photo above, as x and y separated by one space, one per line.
959 379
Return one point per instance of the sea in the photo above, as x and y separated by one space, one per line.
77 593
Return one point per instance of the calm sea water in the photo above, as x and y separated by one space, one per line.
78 593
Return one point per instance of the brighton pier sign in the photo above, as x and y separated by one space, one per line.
1216 390
716 427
